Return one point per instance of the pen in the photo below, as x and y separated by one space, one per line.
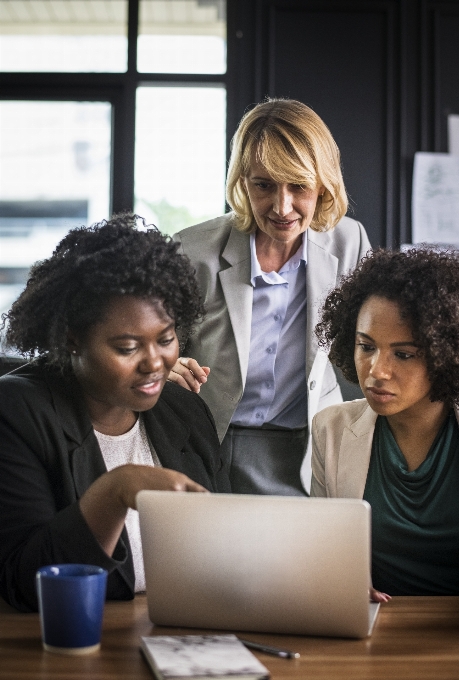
284 653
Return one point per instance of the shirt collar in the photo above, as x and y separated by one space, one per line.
275 277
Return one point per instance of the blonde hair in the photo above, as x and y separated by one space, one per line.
295 146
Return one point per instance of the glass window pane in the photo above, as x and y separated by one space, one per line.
63 35
182 36
54 175
180 155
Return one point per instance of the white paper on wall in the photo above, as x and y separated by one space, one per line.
435 206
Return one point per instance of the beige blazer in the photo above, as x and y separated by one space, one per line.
221 256
342 437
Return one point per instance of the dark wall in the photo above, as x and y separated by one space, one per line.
383 74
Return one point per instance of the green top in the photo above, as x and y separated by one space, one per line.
415 515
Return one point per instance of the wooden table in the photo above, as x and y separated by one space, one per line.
415 638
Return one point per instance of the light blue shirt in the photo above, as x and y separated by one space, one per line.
275 390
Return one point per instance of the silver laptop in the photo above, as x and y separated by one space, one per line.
272 564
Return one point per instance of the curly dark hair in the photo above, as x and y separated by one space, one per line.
425 284
70 290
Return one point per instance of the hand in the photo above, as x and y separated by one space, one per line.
377 596
187 373
105 504
135 478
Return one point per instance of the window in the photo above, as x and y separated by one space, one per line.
63 35
54 175
107 105
180 155
182 36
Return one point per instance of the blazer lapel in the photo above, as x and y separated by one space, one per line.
354 456
238 292
85 457
321 272
168 434
86 461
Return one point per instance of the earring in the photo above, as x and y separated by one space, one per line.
73 351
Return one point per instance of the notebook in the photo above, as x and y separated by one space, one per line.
175 657
272 564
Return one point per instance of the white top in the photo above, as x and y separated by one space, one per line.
131 447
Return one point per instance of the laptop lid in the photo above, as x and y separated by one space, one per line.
257 563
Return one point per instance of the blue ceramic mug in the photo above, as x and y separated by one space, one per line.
71 600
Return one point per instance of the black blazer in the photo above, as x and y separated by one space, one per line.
49 456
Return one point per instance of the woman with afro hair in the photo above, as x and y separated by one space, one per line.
393 327
91 420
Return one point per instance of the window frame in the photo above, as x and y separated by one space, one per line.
119 89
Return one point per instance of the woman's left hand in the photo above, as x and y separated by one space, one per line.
377 596
187 373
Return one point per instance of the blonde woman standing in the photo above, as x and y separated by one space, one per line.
263 270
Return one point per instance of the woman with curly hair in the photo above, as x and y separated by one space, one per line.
91 420
393 327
